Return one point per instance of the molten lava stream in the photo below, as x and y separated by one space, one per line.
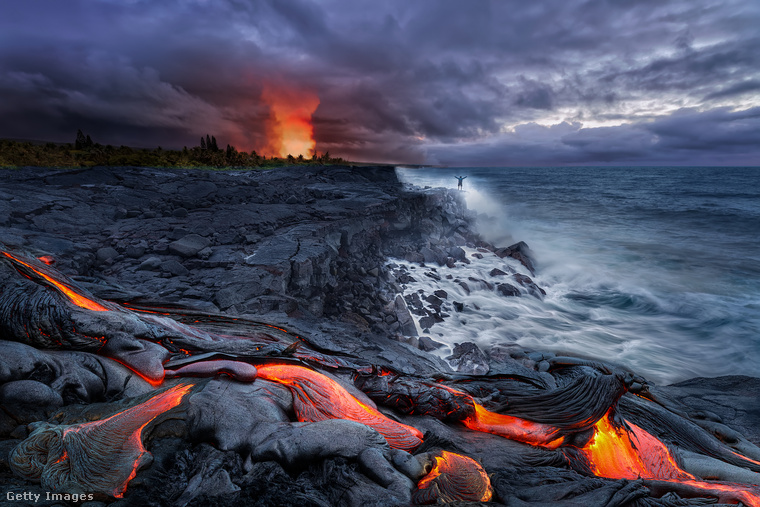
514 428
615 453
69 292
731 491
148 411
99 456
453 478
317 397
745 458
612 453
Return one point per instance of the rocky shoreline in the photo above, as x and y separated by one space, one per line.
297 242
310 249
286 240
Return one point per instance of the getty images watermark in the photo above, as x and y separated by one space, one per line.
48 496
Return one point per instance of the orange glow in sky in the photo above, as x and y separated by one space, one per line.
290 131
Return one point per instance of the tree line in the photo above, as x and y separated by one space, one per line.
84 152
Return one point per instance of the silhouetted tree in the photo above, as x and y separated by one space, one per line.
203 144
81 141
213 146
235 158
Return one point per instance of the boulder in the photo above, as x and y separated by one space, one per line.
533 289
521 252
457 253
468 358
106 254
506 289
188 246
428 344
404 318
432 255
427 322
150 264
174 267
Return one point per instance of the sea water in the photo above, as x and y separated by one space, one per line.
653 268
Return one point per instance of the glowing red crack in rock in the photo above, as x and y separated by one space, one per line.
69 292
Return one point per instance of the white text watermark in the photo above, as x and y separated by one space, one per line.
28 496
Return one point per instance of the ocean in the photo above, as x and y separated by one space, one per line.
653 268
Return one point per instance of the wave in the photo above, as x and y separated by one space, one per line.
658 291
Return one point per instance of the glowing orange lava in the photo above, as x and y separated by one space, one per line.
47 259
514 428
728 493
745 458
317 397
290 131
453 478
141 414
615 453
154 381
73 296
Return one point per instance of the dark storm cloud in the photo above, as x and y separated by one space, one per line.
103 68
421 81
535 95
693 70
687 137
743 87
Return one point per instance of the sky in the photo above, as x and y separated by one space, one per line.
441 82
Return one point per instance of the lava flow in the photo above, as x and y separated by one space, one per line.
103 456
453 478
146 412
317 397
100 456
614 452
514 428
69 292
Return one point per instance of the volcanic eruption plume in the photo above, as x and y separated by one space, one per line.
289 130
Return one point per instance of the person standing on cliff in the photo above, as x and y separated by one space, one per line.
460 178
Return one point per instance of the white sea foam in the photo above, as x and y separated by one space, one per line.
603 300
